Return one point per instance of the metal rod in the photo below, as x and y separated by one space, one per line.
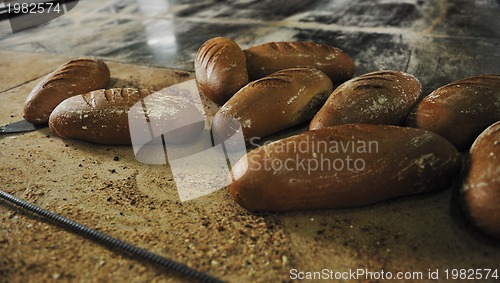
111 242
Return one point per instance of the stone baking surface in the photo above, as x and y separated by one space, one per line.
151 44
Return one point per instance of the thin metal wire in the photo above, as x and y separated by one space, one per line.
111 242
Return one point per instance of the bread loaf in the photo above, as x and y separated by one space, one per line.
102 116
343 166
268 58
220 69
461 110
75 77
481 188
383 97
276 102
99 116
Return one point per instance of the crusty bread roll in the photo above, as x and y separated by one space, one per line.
265 59
75 77
220 69
98 116
271 104
461 110
343 166
383 97
103 117
480 193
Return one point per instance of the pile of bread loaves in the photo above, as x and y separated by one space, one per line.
369 138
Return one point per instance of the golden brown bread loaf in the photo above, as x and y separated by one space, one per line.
98 116
103 117
343 166
271 104
220 69
75 77
383 97
461 110
481 188
271 57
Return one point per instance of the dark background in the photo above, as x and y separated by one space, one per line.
438 41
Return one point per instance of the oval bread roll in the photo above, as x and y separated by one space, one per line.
271 104
343 166
102 116
461 110
265 59
481 188
75 77
220 69
383 97
99 116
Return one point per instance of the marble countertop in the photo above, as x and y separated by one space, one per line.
436 40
